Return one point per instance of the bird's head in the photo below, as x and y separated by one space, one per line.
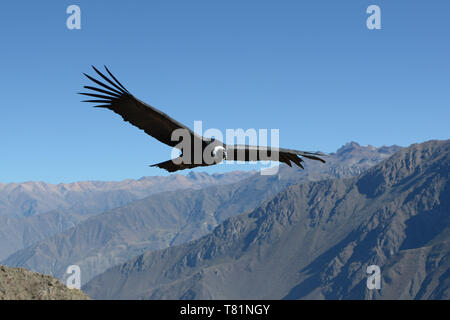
219 154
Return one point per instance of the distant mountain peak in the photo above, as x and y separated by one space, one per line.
349 146
354 147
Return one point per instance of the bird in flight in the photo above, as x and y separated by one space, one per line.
196 150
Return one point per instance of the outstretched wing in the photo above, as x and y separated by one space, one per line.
114 96
258 153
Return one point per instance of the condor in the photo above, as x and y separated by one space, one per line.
112 95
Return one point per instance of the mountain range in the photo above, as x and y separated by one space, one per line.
33 211
170 218
88 197
314 240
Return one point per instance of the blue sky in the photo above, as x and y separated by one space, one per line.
311 69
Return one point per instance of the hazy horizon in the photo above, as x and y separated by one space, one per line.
226 168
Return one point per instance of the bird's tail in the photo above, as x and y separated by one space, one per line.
174 165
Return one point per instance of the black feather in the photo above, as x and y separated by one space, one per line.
102 84
112 76
96 95
100 101
109 81
103 91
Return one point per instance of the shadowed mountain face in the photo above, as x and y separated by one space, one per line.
315 241
172 218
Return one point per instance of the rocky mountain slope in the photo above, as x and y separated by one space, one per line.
314 240
21 284
172 218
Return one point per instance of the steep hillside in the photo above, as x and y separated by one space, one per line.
315 241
